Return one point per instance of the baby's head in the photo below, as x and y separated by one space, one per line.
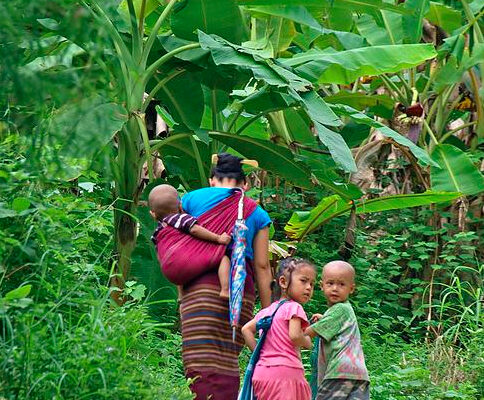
295 279
163 200
338 281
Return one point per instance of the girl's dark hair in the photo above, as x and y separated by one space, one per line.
228 166
286 267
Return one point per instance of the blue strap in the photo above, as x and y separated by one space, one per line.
314 368
247 392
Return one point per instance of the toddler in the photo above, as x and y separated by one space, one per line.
342 372
165 207
279 373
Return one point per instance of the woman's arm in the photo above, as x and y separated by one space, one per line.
297 335
248 331
263 274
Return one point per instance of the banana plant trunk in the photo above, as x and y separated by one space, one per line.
128 167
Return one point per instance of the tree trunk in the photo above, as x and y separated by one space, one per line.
127 169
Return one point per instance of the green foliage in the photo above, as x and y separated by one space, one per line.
60 334
409 356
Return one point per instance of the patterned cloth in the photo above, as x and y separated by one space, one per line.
207 350
340 353
343 389
201 200
181 221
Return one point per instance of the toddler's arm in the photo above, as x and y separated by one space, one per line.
204 234
248 331
297 335
315 318
310 333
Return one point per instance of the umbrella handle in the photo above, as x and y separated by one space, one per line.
240 213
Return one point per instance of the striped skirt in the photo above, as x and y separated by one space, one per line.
209 355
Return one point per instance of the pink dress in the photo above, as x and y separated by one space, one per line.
279 373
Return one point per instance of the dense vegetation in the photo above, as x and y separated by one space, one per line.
365 116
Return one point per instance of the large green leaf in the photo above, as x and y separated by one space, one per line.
303 223
318 110
182 94
380 104
322 115
344 67
272 157
390 31
337 146
292 127
324 170
270 35
302 16
299 127
225 53
457 173
353 5
445 17
361 118
84 128
265 99
195 56
220 17
413 24
185 157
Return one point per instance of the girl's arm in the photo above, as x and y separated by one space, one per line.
263 274
297 335
248 332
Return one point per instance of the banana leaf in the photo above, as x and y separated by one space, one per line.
220 17
84 128
360 6
361 118
272 157
344 67
301 15
457 173
303 223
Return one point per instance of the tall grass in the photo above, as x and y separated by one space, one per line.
61 337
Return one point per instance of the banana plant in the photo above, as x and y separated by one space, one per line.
224 86
133 67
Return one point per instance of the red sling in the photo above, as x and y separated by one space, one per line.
183 257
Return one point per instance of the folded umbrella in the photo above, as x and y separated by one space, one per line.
238 271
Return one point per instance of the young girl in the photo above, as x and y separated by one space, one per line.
279 373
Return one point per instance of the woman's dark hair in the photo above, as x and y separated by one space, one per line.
228 166
286 267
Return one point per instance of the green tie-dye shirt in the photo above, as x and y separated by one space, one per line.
340 352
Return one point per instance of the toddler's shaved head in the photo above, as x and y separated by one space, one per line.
340 267
163 200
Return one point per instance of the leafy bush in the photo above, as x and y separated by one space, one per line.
396 258
61 336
